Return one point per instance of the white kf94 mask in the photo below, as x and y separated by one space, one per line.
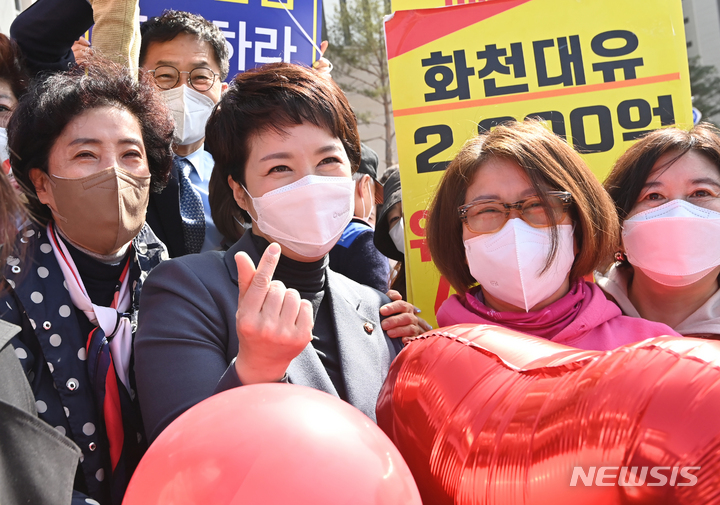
191 110
675 244
307 216
509 263
397 235
3 146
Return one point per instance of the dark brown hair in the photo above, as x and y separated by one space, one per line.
49 106
551 165
12 68
171 23
272 97
632 169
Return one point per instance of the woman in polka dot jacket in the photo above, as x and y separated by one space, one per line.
87 146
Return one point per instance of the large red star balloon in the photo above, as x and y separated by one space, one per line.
485 415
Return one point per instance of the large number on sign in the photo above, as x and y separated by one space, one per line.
635 114
604 120
424 164
556 119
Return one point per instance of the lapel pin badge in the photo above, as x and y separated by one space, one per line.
368 327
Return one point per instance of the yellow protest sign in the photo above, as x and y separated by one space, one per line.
601 73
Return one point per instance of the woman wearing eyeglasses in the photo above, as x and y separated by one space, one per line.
667 191
517 222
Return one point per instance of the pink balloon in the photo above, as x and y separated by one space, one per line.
485 415
272 444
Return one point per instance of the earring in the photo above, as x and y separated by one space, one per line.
620 257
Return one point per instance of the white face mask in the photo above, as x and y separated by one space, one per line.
307 216
508 263
191 110
397 235
675 244
3 147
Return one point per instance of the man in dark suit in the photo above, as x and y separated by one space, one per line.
189 60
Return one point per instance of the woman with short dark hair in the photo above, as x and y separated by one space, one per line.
285 143
86 146
517 222
667 191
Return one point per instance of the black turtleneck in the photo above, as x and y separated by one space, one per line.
101 280
310 280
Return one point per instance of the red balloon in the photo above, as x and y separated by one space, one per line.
270 444
485 415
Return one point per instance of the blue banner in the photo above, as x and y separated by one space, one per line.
256 31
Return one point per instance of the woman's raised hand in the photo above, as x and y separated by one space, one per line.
273 323
401 319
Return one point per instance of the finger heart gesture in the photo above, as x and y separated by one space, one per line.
273 323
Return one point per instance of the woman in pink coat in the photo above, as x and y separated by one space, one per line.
518 221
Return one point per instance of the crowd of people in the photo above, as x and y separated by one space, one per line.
166 235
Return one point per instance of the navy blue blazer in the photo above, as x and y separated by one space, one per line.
187 341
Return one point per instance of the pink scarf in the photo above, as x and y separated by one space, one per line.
582 318
546 322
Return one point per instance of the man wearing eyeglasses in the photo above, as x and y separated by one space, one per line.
187 56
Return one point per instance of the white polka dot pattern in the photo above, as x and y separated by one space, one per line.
88 429
191 208
61 389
